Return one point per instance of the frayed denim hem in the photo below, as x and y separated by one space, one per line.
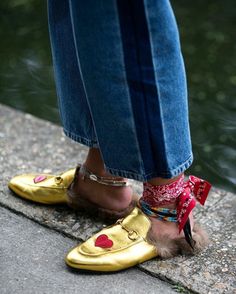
143 178
81 140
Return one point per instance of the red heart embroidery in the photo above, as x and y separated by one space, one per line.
103 241
39 179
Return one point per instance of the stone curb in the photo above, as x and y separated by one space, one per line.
29 144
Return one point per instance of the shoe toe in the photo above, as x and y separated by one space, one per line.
115 248
78 260
38 188
20 185
73 258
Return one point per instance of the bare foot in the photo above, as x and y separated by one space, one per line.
109 197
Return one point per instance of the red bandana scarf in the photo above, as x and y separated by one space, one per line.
186 194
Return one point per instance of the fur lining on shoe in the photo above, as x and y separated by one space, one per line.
168 248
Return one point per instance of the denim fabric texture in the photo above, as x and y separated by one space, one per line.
121 83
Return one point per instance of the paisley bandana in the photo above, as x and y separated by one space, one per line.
185 193
162 194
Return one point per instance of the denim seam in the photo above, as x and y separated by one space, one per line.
80 139
54 62
130 104
157 85
79 66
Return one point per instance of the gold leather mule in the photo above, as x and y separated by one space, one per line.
42 188
116 247
64 188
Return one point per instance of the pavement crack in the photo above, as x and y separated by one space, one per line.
50 227
177 286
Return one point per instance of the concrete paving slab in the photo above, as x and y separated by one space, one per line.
32 262
29 144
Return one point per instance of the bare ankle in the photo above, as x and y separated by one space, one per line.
94 161
163 181
100 190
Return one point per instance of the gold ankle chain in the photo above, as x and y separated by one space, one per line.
109 181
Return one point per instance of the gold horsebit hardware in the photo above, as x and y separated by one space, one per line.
132 234
58 180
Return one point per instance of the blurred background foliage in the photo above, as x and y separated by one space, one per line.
207 30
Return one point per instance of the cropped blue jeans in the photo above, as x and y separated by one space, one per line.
121 83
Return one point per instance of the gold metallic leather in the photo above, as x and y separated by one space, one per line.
129 246
52 190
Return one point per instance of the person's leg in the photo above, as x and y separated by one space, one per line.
108 197
74 108
121 84
72 99
133 71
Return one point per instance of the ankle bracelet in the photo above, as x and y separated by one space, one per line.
160 213
108 181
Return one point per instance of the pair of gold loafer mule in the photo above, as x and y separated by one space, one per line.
114 248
